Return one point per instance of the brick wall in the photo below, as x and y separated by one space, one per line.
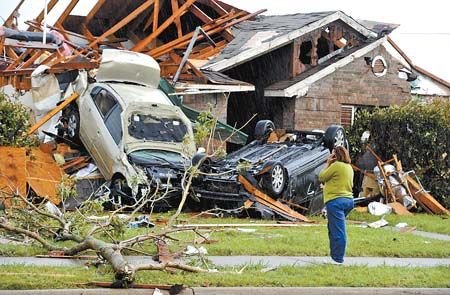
201 102
354 84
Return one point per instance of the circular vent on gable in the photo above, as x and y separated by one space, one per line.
379 66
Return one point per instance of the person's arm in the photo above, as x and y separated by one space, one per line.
327 173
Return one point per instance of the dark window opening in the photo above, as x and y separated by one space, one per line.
323 48
305 52
104 101
113 123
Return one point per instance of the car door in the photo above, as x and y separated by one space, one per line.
103 127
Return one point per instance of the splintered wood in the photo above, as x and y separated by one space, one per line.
19 168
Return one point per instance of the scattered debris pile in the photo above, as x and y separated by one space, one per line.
161 29
401 191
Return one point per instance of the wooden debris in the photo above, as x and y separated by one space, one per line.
35 168
399 209
269 202
424 198
154 16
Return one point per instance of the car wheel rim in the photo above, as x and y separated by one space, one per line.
277 179
339 139
72 125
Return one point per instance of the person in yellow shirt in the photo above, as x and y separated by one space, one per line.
337 178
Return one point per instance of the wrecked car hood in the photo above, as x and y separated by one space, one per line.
158 127
128 66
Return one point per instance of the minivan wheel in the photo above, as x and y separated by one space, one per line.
335 136
275 181
263 129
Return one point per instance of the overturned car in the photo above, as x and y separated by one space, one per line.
284 167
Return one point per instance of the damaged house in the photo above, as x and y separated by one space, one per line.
315 69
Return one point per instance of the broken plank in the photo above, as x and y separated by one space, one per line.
268 201
424 197
123 22
12 172
147 40
56 110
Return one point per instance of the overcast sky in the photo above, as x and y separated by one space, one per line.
424 32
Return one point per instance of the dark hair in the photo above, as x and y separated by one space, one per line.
342 154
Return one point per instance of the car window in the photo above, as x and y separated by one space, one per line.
114 124
104 101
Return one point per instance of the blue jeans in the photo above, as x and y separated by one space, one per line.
337 210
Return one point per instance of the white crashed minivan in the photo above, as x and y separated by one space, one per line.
129 126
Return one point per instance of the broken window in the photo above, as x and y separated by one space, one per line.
150 127
305 52
323 49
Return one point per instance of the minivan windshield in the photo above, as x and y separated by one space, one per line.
156 128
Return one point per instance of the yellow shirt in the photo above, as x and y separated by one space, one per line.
338 180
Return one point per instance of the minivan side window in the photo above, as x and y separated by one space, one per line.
104 101
110 110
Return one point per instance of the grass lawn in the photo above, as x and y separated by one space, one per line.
299 241
424 222
22 277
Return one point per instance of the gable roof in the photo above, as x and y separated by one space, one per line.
267 33
299 85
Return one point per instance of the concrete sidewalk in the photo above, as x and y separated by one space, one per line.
244 291
266 261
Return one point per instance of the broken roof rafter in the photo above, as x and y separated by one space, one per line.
41 15
147 40
123 22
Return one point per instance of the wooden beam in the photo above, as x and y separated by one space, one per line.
214 5
93 11
177 20
123 22
177 43
141 45
56 110
31 60
50 6
9 21
11 54
155 15
198 13
67 11
21 57
217 29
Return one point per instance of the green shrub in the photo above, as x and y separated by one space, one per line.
14 124
420 136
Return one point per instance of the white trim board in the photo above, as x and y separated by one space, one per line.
252 53
299 89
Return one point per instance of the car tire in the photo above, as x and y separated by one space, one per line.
263 129
73 123
275 181
335 136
